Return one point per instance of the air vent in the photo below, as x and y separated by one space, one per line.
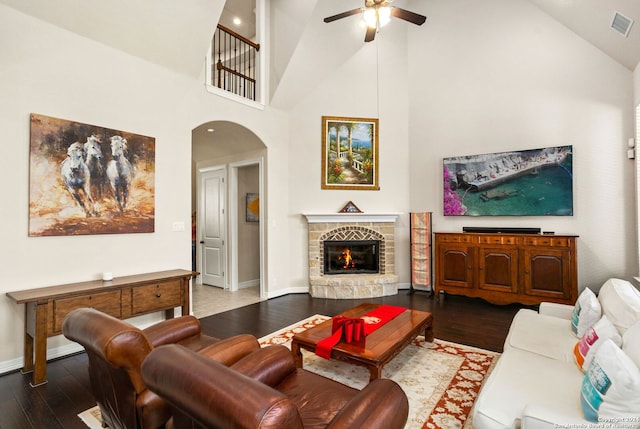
621 24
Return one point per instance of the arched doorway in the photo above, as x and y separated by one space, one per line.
234 156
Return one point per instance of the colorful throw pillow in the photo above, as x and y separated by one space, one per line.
620 302
611 387
586 348
631 343
586 312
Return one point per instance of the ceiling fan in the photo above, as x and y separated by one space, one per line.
377 13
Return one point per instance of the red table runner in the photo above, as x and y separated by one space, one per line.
353 329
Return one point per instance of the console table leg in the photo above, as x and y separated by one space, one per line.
40 366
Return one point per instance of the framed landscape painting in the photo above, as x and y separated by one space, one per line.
534 182
349 153
86 179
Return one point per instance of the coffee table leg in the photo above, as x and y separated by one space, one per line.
297 354
375 372
428 333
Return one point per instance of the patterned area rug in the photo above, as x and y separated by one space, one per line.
441 379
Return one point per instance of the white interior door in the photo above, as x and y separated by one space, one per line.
213 229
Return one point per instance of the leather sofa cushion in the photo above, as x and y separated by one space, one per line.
317 398
543 335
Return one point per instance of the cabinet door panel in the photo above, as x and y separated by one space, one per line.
498 269
547 273
455 266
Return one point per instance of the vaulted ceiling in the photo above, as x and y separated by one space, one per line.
176 35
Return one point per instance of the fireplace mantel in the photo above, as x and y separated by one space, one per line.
350 217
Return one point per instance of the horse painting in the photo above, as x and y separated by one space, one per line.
81 179
120 171
95 163
77 179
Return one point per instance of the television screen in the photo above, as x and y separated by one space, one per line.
535 182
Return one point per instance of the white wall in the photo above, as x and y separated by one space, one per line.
53 72
363 87
636 84
500 75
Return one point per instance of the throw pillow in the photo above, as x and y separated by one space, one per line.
592 339
611 387
620 302
631 343
586 312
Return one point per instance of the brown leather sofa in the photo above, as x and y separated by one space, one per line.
266 390
116 350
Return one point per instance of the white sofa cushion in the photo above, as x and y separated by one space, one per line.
520 379
620 302
611 387
631 343
586 348
586 312
544 335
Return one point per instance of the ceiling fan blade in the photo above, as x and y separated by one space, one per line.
343 15
370 34
408 15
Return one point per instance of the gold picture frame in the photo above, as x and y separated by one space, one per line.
349 153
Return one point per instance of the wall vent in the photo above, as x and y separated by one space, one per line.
622 24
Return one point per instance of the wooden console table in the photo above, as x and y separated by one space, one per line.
507 268
122 297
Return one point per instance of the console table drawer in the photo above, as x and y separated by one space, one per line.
107 302
496 239
156 297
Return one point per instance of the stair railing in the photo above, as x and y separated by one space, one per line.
235 67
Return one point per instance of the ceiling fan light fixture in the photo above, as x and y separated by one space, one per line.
370 17
384 15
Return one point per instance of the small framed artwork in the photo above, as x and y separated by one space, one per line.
253 207
349 153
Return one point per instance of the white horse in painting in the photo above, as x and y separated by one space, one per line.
120 171
76 177
95 163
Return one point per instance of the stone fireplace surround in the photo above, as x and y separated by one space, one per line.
352 226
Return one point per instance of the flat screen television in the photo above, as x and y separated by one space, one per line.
534 182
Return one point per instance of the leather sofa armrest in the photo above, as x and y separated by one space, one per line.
200 389
152 410
382 404
229 350
269 365
561 311
171 331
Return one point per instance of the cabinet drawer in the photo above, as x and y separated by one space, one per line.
158 296
494 239
546 241
454 238
107 302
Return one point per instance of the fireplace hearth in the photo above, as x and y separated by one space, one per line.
328 276
351 257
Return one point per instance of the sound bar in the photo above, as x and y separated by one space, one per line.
511 230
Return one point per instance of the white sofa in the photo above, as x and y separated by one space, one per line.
537 382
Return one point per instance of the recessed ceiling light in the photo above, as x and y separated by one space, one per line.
210 130
237 21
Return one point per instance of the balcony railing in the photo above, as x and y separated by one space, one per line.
233 65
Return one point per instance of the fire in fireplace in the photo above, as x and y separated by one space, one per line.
351 257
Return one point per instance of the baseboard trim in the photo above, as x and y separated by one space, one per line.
249 283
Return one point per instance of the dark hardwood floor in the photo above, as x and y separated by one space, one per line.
57 403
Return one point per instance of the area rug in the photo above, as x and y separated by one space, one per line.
441 379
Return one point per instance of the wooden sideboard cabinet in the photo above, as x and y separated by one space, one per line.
507 268
122 297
